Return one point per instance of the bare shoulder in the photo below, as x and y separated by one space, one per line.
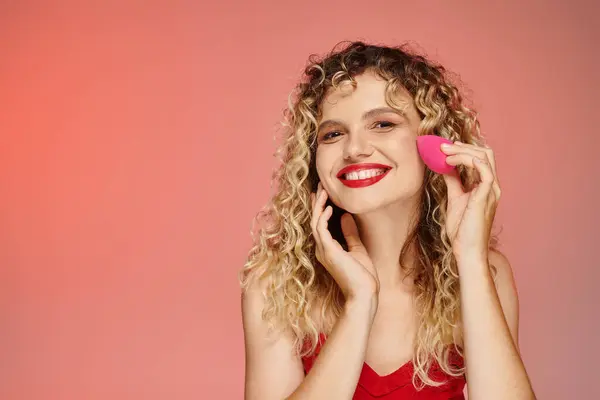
253 302
507 290
273 370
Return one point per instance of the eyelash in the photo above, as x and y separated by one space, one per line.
390 125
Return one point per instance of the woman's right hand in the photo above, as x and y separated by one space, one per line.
352 270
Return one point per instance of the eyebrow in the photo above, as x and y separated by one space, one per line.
368 114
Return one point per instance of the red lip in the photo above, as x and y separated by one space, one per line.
356 183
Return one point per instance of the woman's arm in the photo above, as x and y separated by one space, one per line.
273 372
490 315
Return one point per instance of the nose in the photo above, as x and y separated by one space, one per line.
357 147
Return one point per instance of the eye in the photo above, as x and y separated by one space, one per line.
384 125
331 135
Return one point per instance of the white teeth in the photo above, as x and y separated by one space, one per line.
363 174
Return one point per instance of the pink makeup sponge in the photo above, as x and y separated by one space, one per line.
429 150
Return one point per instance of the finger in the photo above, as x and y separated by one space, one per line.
488 152
350 231
461 158
327 241
484 189
316 213
454 149
476 150
466 160
317 208
313 199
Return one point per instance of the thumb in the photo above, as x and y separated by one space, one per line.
350 231
453 184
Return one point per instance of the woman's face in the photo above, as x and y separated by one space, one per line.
366 151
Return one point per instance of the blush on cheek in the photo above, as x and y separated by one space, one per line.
411 171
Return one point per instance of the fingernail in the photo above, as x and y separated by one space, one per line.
445 146
479 160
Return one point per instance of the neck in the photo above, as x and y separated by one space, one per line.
384 232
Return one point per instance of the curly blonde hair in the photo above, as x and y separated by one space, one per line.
300 295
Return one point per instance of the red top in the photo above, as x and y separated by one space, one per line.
398 385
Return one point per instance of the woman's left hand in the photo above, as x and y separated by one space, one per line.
470 214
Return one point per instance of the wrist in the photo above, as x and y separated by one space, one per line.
471 258
364 303
474 265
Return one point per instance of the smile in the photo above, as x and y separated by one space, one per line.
362 175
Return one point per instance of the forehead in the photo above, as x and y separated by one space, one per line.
369 93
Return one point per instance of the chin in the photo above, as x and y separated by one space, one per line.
358 204
362 206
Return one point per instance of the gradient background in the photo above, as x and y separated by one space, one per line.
137 142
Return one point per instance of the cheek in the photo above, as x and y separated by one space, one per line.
322 166
324 160
319 164
405 151
411 169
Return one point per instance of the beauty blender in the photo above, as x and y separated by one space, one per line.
431 154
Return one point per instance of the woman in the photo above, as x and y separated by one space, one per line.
372 276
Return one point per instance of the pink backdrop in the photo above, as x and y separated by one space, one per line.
136 147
